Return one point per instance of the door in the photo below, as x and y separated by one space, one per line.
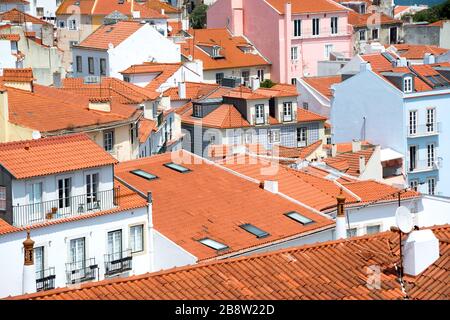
92 191
37 210
39 262
287 111
78 257
115 245
393 35
301 136
64 192
412 158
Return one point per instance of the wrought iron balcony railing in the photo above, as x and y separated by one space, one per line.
45 279
423 130
81 271
29 214
118 262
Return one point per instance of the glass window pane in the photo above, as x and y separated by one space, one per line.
299 218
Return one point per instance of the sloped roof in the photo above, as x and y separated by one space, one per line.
417 51
333 270
306 6
10 36
348 162
17 16
17 75
194 90
146 127
323 84
362 20
69 7
105 7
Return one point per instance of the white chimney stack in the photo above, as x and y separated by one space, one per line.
402 62
271 186
29 270
255 83
182 90
151 249
365 66
420 251
333 150
356 145
341 228
429 58
362 164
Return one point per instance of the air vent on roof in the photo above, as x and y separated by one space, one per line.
120 1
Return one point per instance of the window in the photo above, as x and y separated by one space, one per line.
143 174
197 111
294 53
92 188
39 262
431 120
362 35
374 34
102 66
176 167
213 244
79 64
245 74
328 50
298 217
261 74
73 43
274 136
137 238
64 192
315 23
351 232
413 184
61 24
413 122
78 253
108 140
373 229
254 230
259 114
407 84
302 136
412 158
287 111
40 11
431 185
305 105
430 155
126 78
334 25
36 193
91 65
14 47
72 24
297 28
219 77
294 81
134 132
3 198
115 244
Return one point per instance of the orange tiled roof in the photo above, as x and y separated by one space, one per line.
69 7
439 23
323 84
416 51
114 34
307 6
176 27
306 116
399 9
362 20
246 93
377 62
194 90
10 37
17 16
49 109
45 156
105 7
164 71
419 84
333 270
348 162
127 200
17 75
158 5
123 91
285 87
224 117
220 203
346 146
233 56
146 127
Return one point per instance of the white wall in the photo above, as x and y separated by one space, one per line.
7 60
316 102
434 211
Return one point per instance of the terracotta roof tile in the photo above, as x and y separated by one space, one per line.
439 23
224 117
323 84
194 90
221 202
377 61
69 7
17 75
17 16
334 270
307 6
146 127
10 37
348 162
362 20
416 51
45 156
304 115
158 5
163 70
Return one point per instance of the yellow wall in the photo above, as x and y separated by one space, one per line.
9 131
97 21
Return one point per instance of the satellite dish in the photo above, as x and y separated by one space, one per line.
404 219
36 135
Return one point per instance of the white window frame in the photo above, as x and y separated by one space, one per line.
315 26
297 28
412 122
374 225
259 113
274 136
260 73
2 198
132 236
362 33
408 84
294 53
72 24
415 158
288 111
431 154
378 33
431 120
328 49
414 185
431 188
334 25
106 140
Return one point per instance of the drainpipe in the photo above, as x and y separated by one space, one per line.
151 245
287 39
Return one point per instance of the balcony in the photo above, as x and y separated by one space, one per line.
287 118
425 165
81 271
428 129
24 215
45 279
119 262
260 120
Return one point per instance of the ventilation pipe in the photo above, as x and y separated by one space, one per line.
29 270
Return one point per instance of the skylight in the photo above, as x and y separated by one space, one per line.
213 244
254 230
299 218
176 167
144 174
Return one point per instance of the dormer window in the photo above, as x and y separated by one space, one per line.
407 84
215 52
197 111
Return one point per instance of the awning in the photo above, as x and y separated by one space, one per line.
389 154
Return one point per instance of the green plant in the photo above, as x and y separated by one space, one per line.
434 13
198 16
267 83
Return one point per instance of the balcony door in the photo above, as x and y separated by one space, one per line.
35 197
287 111
302 136
39 262
431 120
412 158
259 114
115 245
92 191
64 192
78 256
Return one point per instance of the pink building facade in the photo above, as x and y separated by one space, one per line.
293 34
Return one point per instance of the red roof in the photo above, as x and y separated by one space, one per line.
17 75
105 7
377 61
348 162
114 34
17 16
45 156
333 270
307 6
194 90
10 37
213 203
323 84
362 20
163 70
70 7
416 51
146 127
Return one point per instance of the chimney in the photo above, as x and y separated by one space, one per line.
271 186
356 145
237 18
150 236
362 164
334 150
255 83
163 11
341 229
29 270
182 89
420 251
100 104
18 78
402 62
365 66
429 58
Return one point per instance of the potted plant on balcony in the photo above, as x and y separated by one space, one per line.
51 213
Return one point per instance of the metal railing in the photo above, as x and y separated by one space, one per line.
424 130
81 271
29 214
45 279
287 117
425 165
118 262
260 120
